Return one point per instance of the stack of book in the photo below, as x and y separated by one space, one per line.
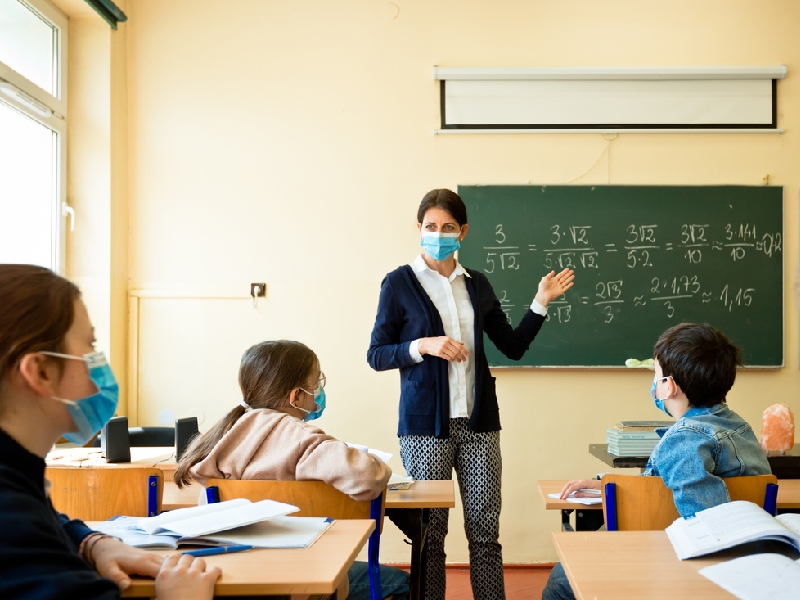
633 438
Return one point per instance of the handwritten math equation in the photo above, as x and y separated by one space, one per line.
642 249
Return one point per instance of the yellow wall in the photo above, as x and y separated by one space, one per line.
290 142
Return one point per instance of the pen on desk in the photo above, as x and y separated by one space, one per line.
219 550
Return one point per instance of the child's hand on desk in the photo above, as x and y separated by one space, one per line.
580 484
116 561
185 577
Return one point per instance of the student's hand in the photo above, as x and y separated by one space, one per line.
444 347
116 561
185 577
552 286
580 484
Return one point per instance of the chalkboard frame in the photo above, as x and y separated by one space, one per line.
774 302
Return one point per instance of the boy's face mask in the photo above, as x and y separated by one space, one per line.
90 414
659 401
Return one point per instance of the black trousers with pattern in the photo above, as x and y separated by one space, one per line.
478 465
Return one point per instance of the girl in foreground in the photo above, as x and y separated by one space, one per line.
52 382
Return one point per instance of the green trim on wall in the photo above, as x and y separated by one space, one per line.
109 11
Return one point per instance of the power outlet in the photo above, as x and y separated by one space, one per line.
258 290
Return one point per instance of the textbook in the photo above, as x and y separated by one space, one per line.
277 532
729 525
211 518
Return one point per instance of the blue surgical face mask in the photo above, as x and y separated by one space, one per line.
440 246
659 401
319 400
91 413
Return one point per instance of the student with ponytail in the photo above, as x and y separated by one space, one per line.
268 435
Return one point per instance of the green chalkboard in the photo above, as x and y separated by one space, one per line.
645 258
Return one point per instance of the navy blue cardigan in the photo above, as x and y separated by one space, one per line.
406 313
38 546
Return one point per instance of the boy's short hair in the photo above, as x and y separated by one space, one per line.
700 359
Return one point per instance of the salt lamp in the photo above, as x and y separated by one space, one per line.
777 428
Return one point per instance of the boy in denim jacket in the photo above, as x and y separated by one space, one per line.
695 366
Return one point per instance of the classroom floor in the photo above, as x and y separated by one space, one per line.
522 583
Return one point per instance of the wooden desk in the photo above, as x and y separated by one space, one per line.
588 517
784 466
160 457
319 569
408 509
624 565
585 519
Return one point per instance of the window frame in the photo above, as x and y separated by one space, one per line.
56 121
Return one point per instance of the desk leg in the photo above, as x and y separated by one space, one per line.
565 524
413 522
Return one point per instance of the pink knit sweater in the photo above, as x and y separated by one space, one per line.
269 444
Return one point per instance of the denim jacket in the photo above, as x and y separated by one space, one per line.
703 446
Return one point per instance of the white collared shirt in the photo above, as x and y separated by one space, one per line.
450 297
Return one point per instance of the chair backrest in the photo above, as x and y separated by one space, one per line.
99 493
638 502
313 498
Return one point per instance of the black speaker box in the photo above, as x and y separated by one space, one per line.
114 440
185 430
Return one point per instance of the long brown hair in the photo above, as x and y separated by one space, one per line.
36 311
269 371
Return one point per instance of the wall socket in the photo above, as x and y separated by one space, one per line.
258 290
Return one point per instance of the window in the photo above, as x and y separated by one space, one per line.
33 42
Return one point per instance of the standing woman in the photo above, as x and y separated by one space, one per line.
432 315
52 382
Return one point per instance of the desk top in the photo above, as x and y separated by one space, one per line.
784 466
788 495
319 569
633 565
159 457
422 494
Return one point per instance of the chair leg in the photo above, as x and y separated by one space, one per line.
611 507
771 499
152 496
374 566
373 549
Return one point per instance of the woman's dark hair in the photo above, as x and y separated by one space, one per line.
36 311
269 371
700 359
446 200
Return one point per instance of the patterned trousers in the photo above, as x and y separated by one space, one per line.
478 465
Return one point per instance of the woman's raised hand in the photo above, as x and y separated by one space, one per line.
444 347
554 285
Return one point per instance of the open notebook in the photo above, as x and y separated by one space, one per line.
261 524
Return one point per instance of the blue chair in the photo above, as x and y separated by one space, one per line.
314 499
639 502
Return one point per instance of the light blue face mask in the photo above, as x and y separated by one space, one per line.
440 246
91 413
319 399
659 401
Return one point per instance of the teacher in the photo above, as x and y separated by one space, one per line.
432 315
